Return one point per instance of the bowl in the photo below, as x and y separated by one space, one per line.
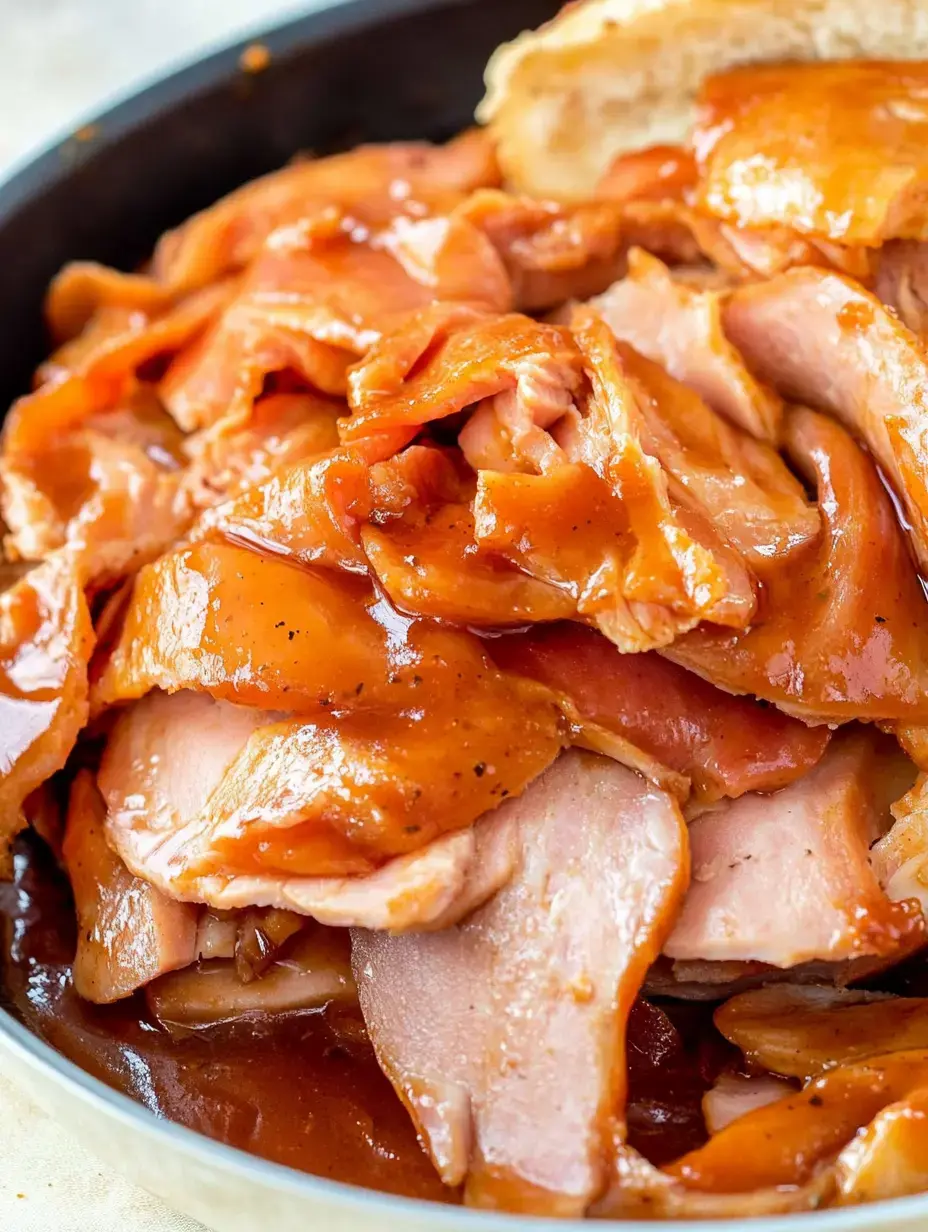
106 192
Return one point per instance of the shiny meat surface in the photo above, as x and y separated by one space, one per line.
514 1074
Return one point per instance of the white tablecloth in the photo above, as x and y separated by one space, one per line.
62 59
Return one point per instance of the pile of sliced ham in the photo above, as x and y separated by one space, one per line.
502 614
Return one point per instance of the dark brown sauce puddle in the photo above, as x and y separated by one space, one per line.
302 1090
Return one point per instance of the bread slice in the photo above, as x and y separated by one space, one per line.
606 76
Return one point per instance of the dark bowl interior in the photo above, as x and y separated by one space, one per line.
368 70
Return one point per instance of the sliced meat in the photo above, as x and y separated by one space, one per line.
733 1096
82 288
311 511
264 813
317 297
312 972
804 1031
821 339
283 429
810 1129
632 561
97 370
785 879
658 173
681 329
838 639
725 745
128 932
887 1159
900 858
742 486
109 491
45 643
372 183
545 976
420 542
773 149
446 359
551 252
901 282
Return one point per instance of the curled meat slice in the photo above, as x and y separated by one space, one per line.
804 1031
901 282
551 252
373 183
97 370
84 288
681 328
128 932
741 485
785 879
658 173
312 972
310 511
420 542
446 359
282 429
544 975
810 1128
825 341
284 798
900 858
725 745
599 521
45 643
110 492
319 295
773 149
839 639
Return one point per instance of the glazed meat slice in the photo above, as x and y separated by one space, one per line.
544 977
45 643
374 184
283 429
681 328
110 491
97 370
785 879
741 485
599 520
839 639
128 932
900 858
311 511
901 282
825 341
773 148
273 812
805 1031
447 359
551 252
319 296
725 745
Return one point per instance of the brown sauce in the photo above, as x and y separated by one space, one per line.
302 1089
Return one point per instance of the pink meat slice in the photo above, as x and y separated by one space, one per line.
159 784
504 1036
822 340
785 878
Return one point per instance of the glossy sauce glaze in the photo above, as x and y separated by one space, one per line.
303 1089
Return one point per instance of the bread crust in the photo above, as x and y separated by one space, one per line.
607 76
